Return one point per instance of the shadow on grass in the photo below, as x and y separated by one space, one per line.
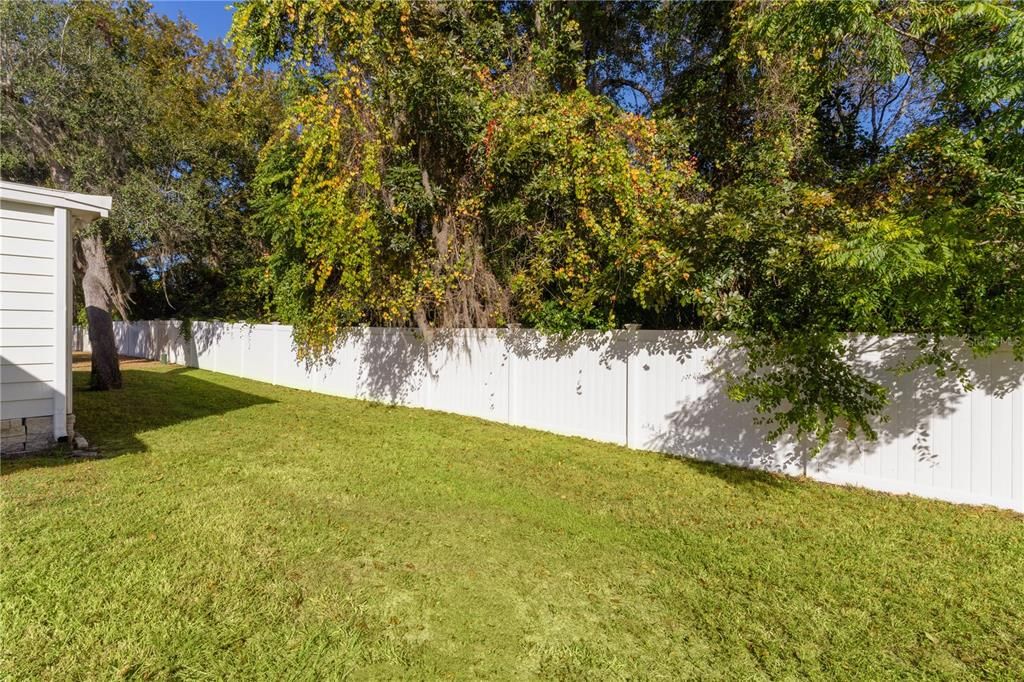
733 474
150 400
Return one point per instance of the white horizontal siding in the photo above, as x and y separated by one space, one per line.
15 210
26 408
27 374
29 279
24 246
25 300
27 229
19 374
29 390
39 284
25 265
17 338
28 319
26 355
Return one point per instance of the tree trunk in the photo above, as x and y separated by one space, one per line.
98 288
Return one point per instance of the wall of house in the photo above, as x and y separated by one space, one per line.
652 390
29 277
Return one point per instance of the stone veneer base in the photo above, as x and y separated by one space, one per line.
29 434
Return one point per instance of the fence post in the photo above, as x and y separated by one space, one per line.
629 392
275 344
215 347
630 339
508 379
510 393
243 333
1019 454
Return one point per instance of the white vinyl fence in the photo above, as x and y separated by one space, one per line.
651 390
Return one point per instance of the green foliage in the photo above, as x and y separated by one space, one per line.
805 386
116 99
593 209
797 172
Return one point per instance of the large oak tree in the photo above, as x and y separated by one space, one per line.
115 99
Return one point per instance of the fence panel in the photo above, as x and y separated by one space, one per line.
652 390
466 372
678 404
257 351
574 386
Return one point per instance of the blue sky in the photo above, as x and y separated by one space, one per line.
211 17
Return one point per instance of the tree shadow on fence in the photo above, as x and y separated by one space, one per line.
395 364
699 420
184 343
712 427
705 423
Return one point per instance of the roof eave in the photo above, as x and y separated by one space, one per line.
93 205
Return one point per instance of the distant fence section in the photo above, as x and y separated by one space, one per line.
650 390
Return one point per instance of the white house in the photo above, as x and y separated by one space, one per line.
35 311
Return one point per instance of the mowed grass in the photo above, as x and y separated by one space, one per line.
240 530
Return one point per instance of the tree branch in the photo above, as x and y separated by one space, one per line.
616 83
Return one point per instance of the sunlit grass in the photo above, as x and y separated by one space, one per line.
241 530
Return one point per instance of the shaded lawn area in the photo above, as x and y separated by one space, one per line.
245 530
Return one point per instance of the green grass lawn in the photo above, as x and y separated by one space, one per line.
237 529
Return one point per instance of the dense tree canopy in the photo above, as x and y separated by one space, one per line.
784 171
